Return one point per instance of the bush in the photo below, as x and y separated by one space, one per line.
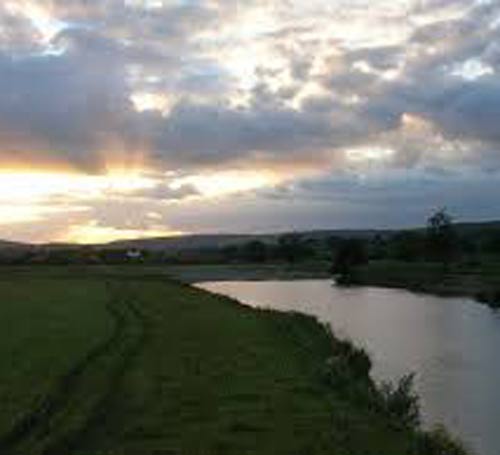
490 298
350 254
348 371
399 402
439 442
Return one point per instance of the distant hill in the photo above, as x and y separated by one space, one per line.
191 242
214 241
7 245
197 242
470 228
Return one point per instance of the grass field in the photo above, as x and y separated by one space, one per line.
479 281
251 272
105 361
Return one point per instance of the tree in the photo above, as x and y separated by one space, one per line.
230 253
378 247
255 251
491 242
442 240
407 246
292 247
350 253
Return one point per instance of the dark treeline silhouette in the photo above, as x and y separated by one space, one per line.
288 248
443 258
441 241
349 254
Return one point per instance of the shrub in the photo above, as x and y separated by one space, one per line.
399 402
439 442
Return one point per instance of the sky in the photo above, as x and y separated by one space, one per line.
139 118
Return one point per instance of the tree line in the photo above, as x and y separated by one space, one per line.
440 241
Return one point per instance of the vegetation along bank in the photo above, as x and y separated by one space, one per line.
122 361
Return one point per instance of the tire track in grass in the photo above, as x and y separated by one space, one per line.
97 416
33 434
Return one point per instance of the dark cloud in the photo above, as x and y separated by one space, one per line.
262 85
380 58
207 133
387 199
167 193
68 106
73 105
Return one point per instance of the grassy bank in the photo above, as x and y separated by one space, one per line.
110 361
478 281
250 272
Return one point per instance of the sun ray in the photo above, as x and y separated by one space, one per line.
93 233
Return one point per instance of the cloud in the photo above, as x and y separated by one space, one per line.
64 108
211 133
291 88
75 105
166 192
384 199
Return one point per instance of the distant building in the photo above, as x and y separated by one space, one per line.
134 254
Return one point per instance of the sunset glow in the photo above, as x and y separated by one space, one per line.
113 124
225 183
46 24
29 187
144 101
92 233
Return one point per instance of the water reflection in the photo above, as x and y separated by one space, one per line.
452 344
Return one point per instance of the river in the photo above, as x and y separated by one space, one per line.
451 344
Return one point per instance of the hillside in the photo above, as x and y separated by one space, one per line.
214 241
193 242
5 244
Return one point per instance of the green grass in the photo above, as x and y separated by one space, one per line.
121 361
250 271
44 328
477 280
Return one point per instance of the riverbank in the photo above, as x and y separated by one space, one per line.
141 365
250 272
479 282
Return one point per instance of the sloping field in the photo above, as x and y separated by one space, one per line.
102 362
